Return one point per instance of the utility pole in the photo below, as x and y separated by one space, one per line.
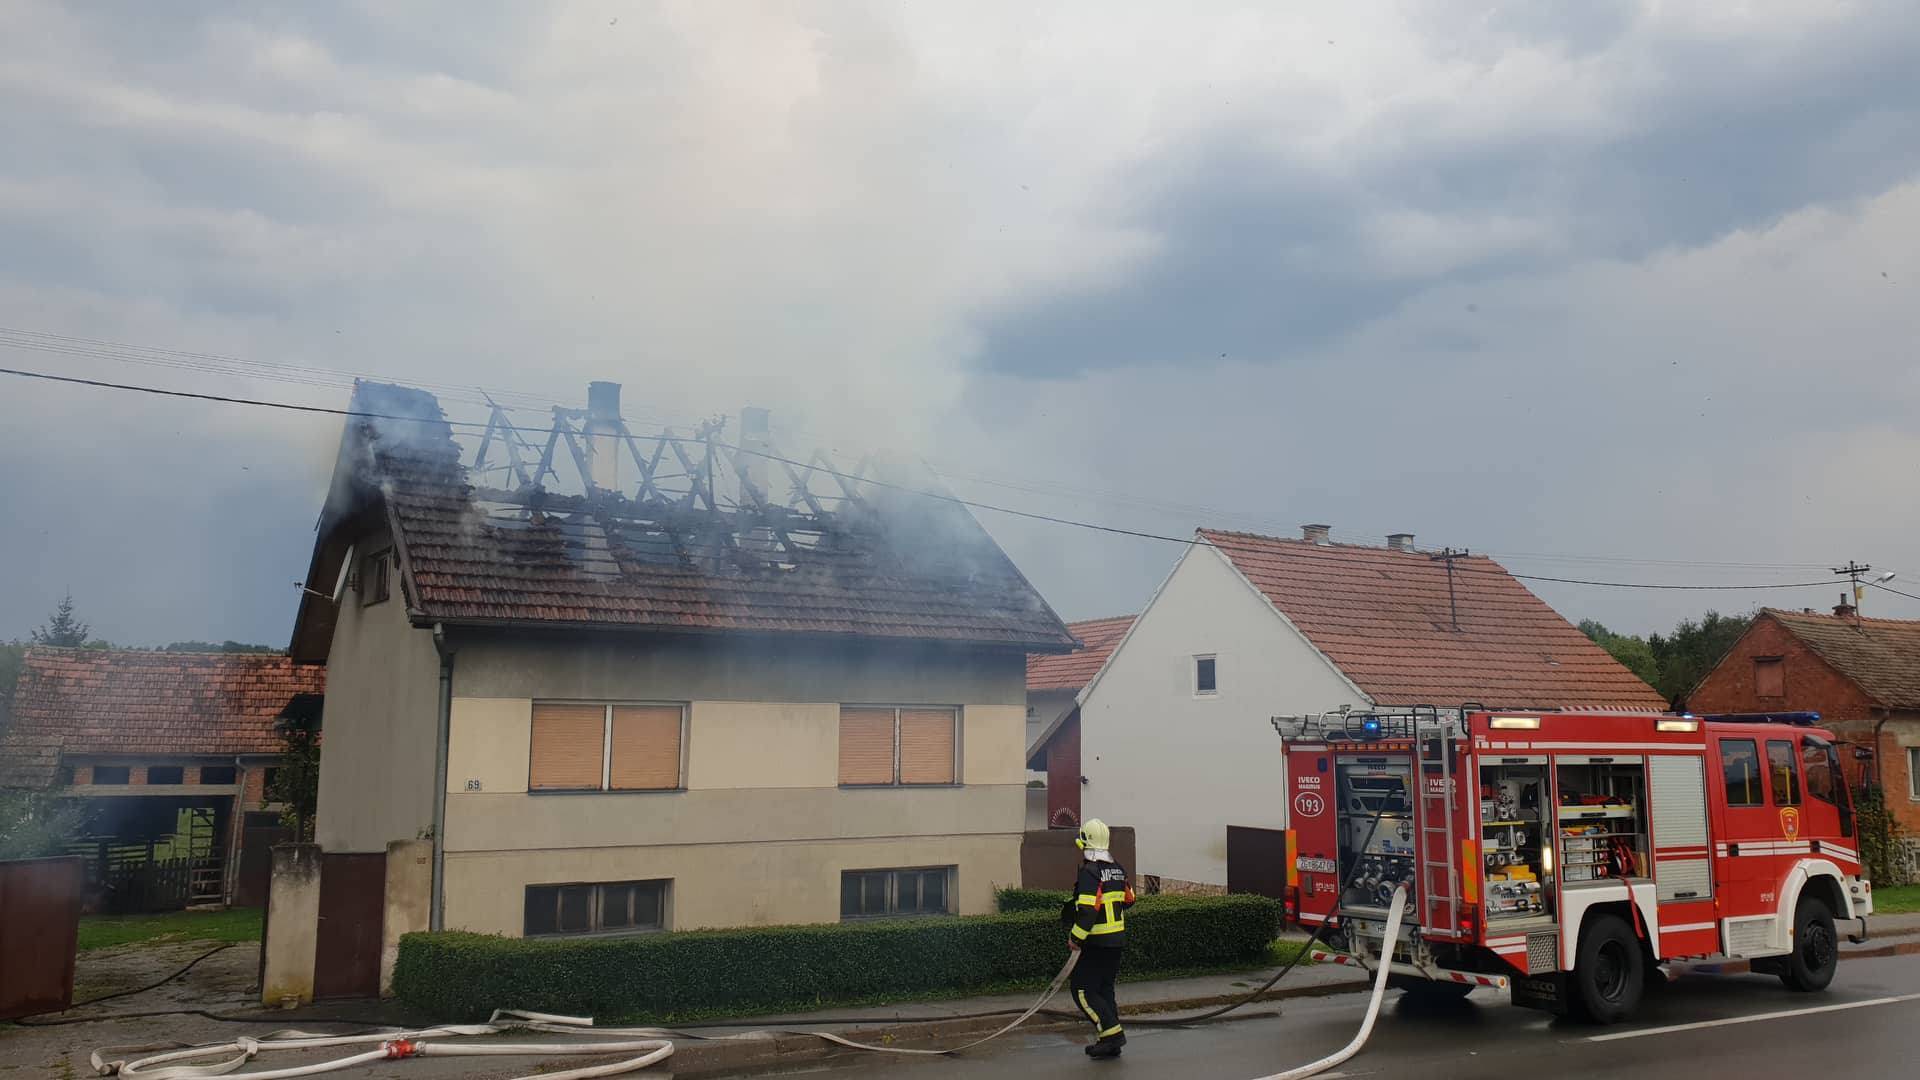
1852 572
1447 556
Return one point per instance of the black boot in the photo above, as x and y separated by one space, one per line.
1108 1046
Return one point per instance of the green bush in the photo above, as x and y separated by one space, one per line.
1009 901
659 977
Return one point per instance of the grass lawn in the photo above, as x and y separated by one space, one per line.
1897 900
104 931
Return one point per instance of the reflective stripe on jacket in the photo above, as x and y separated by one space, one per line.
1101 898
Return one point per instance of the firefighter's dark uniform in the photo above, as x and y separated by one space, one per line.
1099 926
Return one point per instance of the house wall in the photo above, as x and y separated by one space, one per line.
762 830
1047 706
1813 686
1179 767
380 725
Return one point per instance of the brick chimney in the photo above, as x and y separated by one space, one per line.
1845 607
1317 534
1400 541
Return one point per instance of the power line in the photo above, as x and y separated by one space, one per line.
1010 511
238 367
1894 591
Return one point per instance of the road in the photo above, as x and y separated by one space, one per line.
1748 1026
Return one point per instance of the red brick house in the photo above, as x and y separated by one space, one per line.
1053 716
170 752
1861 675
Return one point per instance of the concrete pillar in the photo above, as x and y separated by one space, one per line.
409 901
293 925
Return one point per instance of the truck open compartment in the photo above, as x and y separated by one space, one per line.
1377 829
1601 818
1515 831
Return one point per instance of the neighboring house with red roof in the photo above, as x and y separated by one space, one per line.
771 694
1174 733
170 751
1054 682
1861 675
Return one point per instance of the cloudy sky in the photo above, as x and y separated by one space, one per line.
1629 293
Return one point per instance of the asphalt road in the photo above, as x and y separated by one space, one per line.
1747 1026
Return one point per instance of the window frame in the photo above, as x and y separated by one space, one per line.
1758 783
233 776
376 588
950 907
1212 660
93 775
596 900
959 728
1913 773
606 753
1777 666
167 770
1797 796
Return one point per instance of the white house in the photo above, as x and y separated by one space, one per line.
1174 734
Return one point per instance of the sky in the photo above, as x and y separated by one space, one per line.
1613 291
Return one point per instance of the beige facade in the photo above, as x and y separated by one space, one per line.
760 832
382 715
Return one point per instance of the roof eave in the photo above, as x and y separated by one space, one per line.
425 619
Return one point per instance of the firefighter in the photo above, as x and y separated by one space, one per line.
1097 929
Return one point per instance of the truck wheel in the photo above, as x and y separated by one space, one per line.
1609 972
1816 948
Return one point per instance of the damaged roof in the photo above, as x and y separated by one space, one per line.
127 702
1383 617
1071 671
891 564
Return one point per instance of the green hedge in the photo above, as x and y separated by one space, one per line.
1012 900
660 977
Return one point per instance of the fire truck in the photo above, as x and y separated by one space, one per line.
1568 857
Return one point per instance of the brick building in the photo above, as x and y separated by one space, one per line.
1861 675
169 753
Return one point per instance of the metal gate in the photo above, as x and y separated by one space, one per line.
39 929
353 891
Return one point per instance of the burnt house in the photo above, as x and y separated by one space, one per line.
623 683
169 754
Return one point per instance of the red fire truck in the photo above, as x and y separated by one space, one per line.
1566 856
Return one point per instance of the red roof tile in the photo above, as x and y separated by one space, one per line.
1073 670
1881 656
1382 617
98 701
895 564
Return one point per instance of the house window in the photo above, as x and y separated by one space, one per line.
110 774
1205 675
1740 765
898 746
1769 677
165 774
1784 772
606 907
882 894
606 747
375 575
217 774
1913 772
268 780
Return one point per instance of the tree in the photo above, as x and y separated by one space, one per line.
1631 650
296 787
34 823
62 628
11 654
1693 649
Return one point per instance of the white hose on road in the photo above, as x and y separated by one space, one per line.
1394 912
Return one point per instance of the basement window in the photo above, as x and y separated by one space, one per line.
1769 677
376 578
1205 676
893 894
597 908
111 774
165 774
